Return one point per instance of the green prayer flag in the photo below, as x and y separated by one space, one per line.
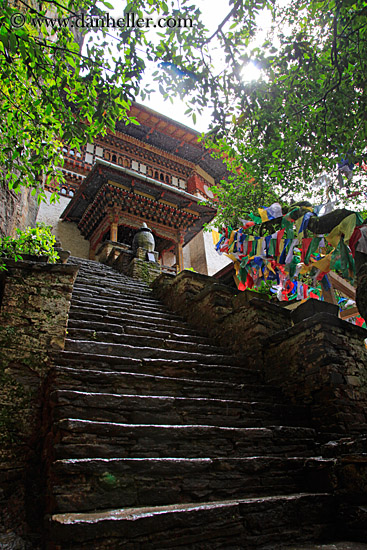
255 218
312 248
272 247
293 265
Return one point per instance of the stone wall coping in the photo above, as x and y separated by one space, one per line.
162 278
214 287
211 287
63 269
187 274
326 319
264 305
115 244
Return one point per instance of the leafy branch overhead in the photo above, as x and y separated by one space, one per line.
306 112
52 91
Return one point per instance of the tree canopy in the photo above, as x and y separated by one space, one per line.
51 91
304 115
301 128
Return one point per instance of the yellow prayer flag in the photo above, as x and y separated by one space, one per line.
346 228
215 237
298 224
322 265
259 246
268 265
231 238
263 214
281 246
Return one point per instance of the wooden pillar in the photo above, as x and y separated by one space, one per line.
179 253
113 231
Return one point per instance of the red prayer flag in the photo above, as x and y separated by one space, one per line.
305 246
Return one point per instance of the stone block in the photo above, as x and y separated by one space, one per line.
144 270
311 307
33 319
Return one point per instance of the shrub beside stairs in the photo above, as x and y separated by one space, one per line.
158 439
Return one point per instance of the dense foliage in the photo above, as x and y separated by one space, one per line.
51 90
306 113
34 241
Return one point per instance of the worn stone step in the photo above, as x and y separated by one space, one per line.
143 341
245 524
111 275
141 352
98 484
138 330
115 284
75 438
97 269
148 384
192 370
94 304
127 313
118 297
80 313
162 409
114 280
118 290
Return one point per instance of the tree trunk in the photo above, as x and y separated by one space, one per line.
326 223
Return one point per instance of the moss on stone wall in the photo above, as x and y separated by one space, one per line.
33 318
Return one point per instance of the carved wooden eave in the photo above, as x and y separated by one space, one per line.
112 188
173 138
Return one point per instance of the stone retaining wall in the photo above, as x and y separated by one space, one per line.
320 361
35 300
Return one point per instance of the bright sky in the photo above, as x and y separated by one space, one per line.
212 18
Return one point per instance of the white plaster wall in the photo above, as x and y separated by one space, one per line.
214 261
186 256
202 256
67 232
169 259
198 254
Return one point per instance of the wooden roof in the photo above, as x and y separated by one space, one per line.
172 137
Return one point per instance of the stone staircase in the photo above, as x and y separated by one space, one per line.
158 439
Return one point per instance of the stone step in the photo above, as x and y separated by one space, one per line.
138 330
83 314
112 280
245 524
126 313
97 484
94 305
144 352
121 296
143 341
97 269
162 409
107 291
148 384
114 284
75 438
161 367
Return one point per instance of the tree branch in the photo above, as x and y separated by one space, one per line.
230 14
